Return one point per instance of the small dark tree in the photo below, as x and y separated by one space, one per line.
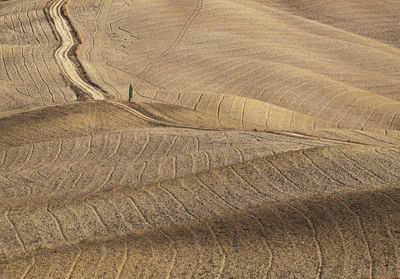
130 92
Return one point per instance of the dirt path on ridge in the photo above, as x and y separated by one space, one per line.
61 55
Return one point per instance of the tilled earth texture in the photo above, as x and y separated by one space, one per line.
261 139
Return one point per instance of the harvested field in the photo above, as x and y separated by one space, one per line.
262 140
29 75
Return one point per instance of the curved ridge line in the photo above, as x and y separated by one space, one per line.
67 199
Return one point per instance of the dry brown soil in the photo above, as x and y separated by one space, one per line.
263 139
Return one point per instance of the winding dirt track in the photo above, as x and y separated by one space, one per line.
67 42
69 69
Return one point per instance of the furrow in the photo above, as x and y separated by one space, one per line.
58 224
17 234
363 235
29 268
73 266
123 261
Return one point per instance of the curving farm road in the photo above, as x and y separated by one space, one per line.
67 42
69 69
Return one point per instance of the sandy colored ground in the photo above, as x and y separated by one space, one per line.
29 75
263 140
197 53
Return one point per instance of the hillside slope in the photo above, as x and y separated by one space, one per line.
262 141
270 51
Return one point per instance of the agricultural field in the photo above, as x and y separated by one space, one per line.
261 139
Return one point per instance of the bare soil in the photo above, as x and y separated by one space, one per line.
262 141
